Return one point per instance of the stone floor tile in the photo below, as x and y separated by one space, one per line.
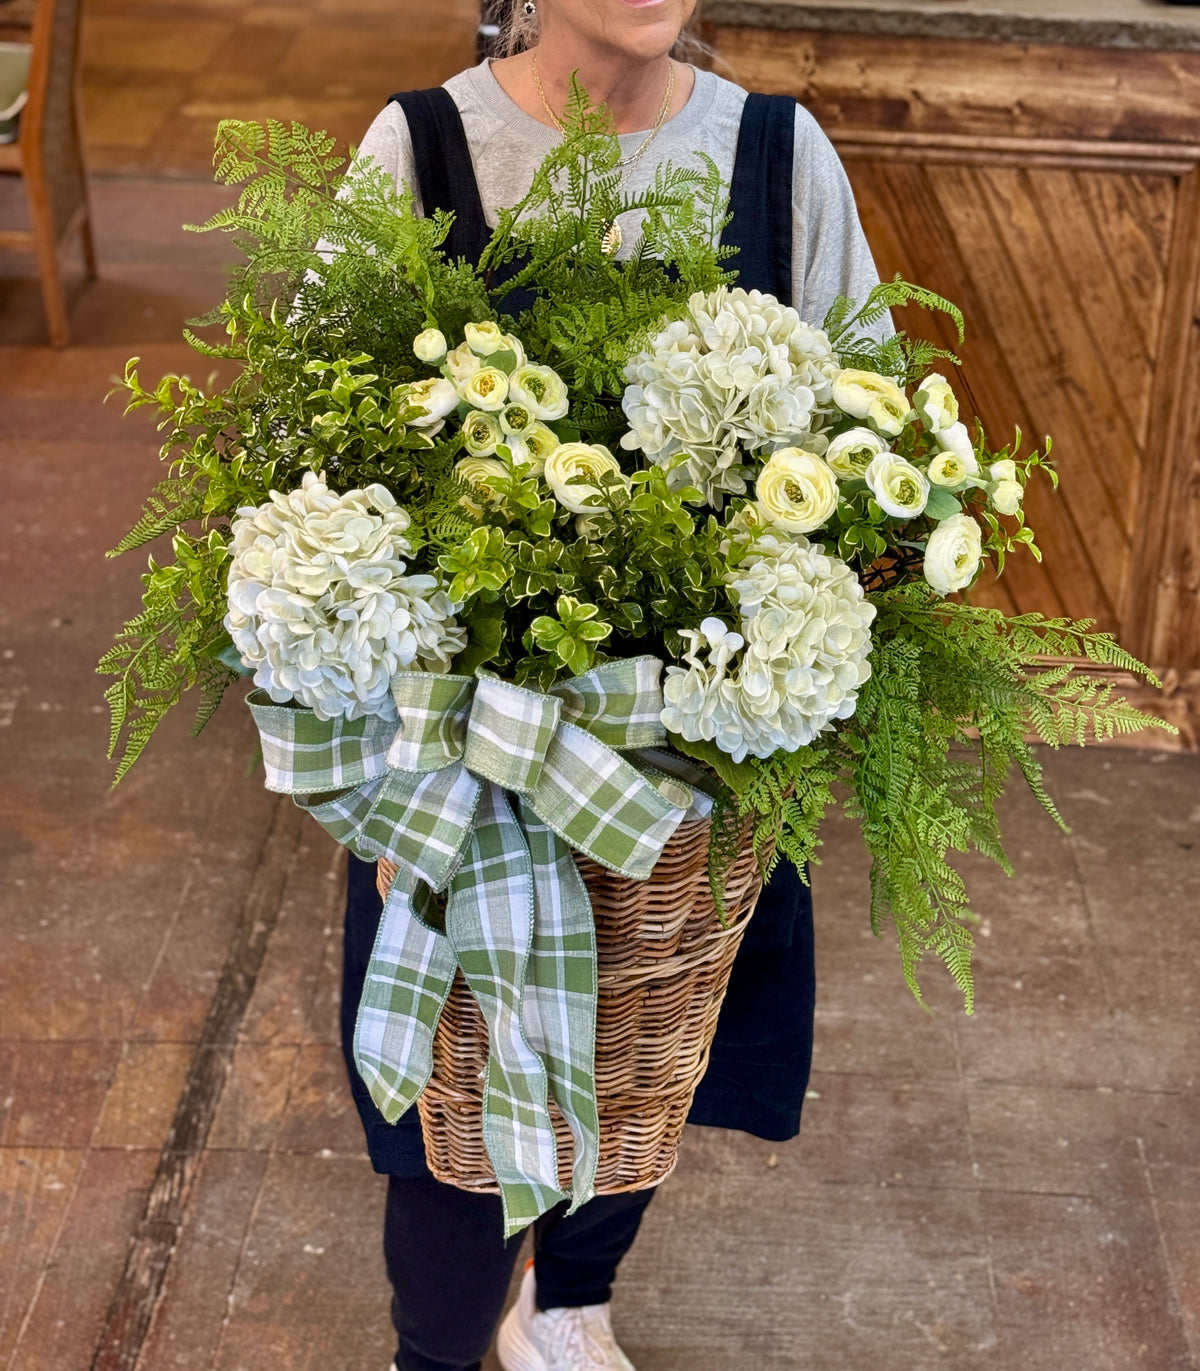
926 1142
36 1185
254 1098
1042 1044
1179 1222
86 1263
140 1104
53 1091
1074 1142
310 1289
187 1329
1160 1051
1082 1283
320 1113
308 927
762 1271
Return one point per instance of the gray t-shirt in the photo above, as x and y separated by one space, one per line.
830 256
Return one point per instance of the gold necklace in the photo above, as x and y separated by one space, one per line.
610 241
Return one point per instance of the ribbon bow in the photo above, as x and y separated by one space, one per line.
480 793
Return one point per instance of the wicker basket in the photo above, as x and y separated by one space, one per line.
664 964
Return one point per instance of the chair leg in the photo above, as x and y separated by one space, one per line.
89 244
46 245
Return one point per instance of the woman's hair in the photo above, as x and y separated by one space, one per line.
519 31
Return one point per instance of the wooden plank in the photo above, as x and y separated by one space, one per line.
1068 365
1161 615
1114 333
1010 90
1154 200
917 241
1022 312
156 1234
1128 215
1013 373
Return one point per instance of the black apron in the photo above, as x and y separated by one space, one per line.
759 1065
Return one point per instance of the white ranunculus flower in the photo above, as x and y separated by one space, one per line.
935 402
956 439
436 396
485 338
461 364
851 453
1004 489
739 373
878 399
481 433
797 491
540 389
794 667
589 461
946 469
1006 497
430 345
516 418
482 473
953 554
487 389
898 487
514 345
321 607
540 442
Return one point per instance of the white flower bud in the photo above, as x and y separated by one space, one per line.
485 338
878 399
430 345
1006 497
935 402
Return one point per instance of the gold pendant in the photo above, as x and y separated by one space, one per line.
610 243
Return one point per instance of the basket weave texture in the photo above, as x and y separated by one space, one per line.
664 961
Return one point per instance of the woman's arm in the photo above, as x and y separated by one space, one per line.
388 143
830 256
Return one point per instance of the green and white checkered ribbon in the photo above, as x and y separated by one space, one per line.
480 793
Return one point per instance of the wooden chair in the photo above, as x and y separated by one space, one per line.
48 155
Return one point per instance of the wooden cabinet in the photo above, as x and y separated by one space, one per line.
1053 191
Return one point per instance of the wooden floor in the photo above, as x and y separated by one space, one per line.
1016 1192
159 74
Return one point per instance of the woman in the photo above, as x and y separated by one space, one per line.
472 146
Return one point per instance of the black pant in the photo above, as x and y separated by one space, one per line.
450 1267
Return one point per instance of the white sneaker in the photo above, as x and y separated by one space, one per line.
557 1339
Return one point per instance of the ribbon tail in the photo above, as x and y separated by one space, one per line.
408 979
489 920
560 995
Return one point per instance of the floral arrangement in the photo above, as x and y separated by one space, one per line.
411 474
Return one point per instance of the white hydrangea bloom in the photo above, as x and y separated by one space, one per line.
320 606
739 373
793 667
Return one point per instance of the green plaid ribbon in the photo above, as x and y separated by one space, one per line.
481 792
